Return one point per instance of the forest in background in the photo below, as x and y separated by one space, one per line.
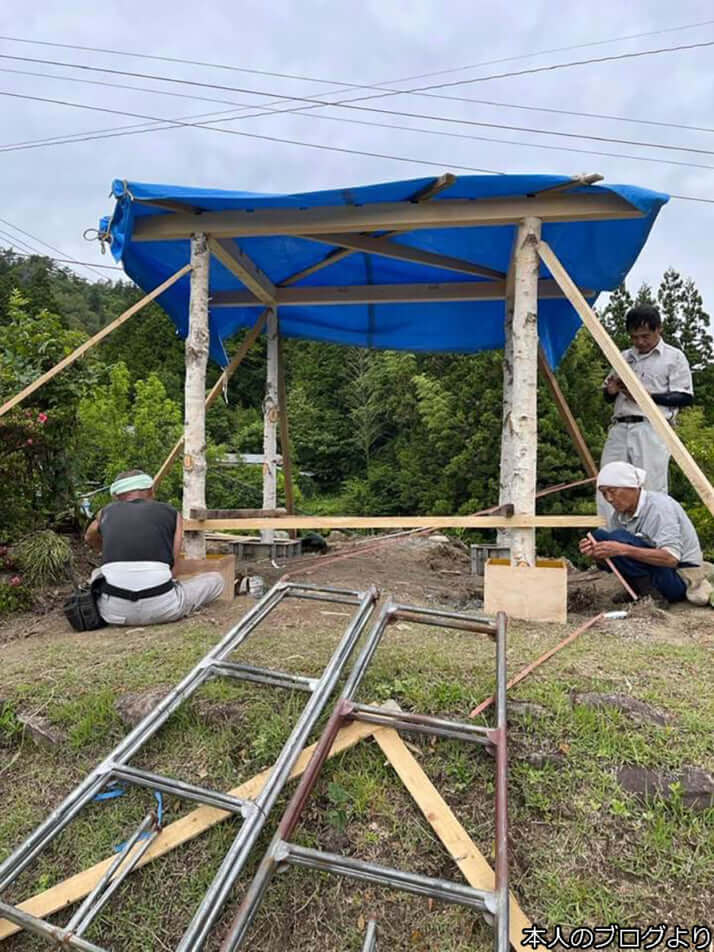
378 432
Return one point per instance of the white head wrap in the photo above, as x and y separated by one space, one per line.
131 483
623 475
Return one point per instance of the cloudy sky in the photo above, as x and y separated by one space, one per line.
55 191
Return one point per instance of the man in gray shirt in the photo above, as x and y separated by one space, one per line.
666 376
649 535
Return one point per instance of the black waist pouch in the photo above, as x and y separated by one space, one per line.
81 610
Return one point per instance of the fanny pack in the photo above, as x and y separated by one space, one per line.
80 609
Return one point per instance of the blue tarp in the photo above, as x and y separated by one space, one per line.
597 255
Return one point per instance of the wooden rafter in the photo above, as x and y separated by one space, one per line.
244 268
403 216
393 249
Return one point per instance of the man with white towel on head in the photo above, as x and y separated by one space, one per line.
140 540
649 536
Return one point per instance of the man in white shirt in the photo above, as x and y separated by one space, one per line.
666 376
649 535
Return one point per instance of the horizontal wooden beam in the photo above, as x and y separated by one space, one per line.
399 216
396 522
204 514
244 268
393 249
385 294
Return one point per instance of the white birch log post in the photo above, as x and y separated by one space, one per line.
504 491
271 411
194 460
520 430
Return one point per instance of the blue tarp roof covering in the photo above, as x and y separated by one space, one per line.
597 254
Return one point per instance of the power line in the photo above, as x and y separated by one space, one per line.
350 104
314 79
40 241
36 254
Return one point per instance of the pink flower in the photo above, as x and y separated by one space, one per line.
15 581
42 418
29 442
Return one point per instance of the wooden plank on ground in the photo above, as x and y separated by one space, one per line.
467 856
187 828
399 522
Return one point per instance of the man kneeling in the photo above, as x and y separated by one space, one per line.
140 540
649 535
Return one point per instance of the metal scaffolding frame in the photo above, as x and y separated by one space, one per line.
253 811
493 903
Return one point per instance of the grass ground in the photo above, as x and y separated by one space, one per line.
584 852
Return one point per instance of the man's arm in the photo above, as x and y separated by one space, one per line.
178 538
609 548
675 398
93 536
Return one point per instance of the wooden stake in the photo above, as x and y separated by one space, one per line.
518 482
473 864
566 413
216 389
88 344
667 434
271 412
197 341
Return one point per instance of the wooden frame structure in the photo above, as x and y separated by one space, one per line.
372 229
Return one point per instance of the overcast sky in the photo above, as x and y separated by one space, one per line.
57 191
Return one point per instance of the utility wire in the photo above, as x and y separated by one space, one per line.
350 104
51 247
86 264
314 79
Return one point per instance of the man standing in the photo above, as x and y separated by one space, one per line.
140 540
665 374
649 536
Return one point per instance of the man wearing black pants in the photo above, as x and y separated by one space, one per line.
649 535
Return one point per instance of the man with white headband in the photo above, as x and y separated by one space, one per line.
140 540
649 536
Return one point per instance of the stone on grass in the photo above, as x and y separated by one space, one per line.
134 706
638 711
526 709
41 730
337 536
697 786
439 537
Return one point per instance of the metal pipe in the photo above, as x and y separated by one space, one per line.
366 654
115 883
118 860
415 883
420 723
501 805
294 587
485 620
41 928
249 672
234 860
476 627
370 938
340 599
177 788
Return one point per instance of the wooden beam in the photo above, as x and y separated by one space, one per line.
401 216
473 864
667 434
394 249
406 522
71 890
244 268
215 390
203 514
100 335
196 348
571 424
384 294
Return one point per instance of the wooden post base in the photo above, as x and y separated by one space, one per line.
530 592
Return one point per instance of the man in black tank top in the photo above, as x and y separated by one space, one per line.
140 540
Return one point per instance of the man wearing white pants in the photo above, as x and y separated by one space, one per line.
665 374
140 540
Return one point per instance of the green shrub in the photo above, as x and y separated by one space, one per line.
43 558
14 597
